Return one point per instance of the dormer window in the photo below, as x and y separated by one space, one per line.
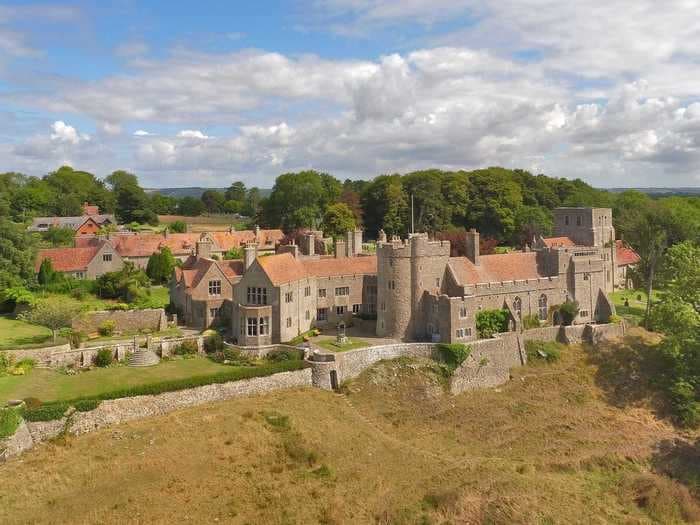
215 287
106 257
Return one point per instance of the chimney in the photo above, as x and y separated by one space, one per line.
357 241
349 243
340 249
251 252
381 237
309 247
473 246
257 233
203 248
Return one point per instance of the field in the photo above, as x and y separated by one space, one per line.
573 442
205 223
15 333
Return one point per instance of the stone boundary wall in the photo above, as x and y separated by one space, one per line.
126 320
125 409
258 352
64 355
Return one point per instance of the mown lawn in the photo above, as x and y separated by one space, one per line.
637 300
50 385
15 333
330 344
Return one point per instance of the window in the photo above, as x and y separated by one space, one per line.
307 291
252 326
460 333
586 276
257 295
321 292
322 314
578 221
214 312
518 307
583 313
371 308
288 297
468 332
215 287
308 315
542 307
383 307
264 325
242 325
106 257
462 311
79 275
391 285
343 290
566 220
289 322
356 308
340 310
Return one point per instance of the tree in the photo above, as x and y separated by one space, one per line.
680 273
53 313
645 230
59 236
213 201
160 265
127 284
16 255
190 206
338 219
178 227
46 274
431 211
132 203
385 205
531 221
494 197
234 253
251 206
236 192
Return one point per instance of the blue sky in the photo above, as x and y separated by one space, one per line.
186 93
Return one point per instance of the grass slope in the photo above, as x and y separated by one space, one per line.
561 443
15 333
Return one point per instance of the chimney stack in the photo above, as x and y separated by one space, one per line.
203 248
340 249
381 237
349 243
473 246
309 247
251 253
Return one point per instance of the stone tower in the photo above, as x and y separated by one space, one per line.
405 271
585 226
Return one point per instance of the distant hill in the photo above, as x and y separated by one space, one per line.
666 192
194 191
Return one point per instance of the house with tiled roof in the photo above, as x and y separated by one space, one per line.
626 260
89 223
87 262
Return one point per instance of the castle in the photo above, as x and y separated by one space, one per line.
416 290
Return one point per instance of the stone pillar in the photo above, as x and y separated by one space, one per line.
473 246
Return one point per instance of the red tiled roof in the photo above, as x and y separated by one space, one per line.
332 267
625 254
496 268
67 259
282 268
193 269
554 242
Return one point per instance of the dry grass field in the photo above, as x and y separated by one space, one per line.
579 441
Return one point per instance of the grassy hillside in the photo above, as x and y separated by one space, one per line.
579 441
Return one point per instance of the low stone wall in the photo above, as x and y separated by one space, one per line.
489 363
116 411
40 355
126 320
258 352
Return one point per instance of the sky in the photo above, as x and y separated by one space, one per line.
204 93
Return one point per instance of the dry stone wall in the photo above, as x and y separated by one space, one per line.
14 445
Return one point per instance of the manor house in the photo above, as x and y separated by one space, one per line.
413 287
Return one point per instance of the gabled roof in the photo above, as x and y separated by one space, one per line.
282 268
625 254
496 268
67 259
42 223
234 239
556 242
195 268
332 267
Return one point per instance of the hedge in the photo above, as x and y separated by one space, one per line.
9 421
55 410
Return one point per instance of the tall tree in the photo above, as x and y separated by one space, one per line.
338 219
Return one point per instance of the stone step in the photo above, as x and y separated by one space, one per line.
143 357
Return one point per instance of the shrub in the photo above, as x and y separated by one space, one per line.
284 354
85 405
548 351
104 357
614 319
5 362
10 419
568 312
490 322
453 354
25 365
46 412
231 356
685 405
107 328
32 402
531 321
187 347
213 343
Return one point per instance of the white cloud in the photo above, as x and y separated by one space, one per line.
62 132
192 134
142 133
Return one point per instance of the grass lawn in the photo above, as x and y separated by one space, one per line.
15 333
160 296
50 385
330 344
635 311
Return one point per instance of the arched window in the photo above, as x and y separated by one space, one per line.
542 304
518 307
